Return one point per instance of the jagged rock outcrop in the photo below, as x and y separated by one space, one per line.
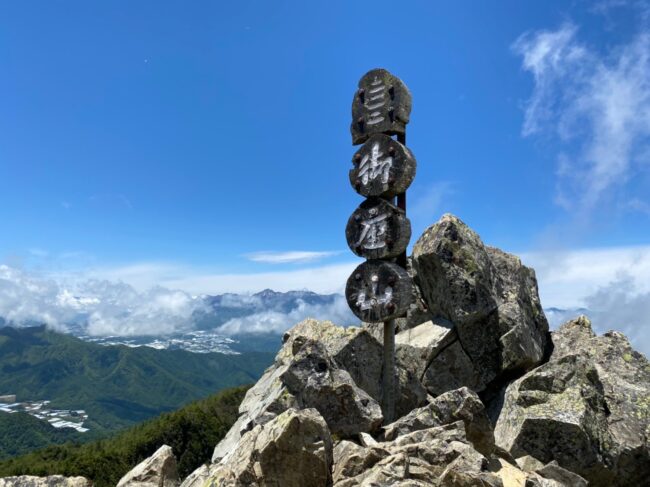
306 373
292 450
159 470
333 369
588 408
460 404
51 481
489 296
434 456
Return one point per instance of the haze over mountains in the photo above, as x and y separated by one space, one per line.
104 308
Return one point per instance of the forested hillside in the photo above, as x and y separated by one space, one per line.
117 386
20 433
192 432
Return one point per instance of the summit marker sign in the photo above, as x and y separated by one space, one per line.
380 289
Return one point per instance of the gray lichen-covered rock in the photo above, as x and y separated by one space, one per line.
51 481
316 382
159 470
359 352
349 355
489 296
416 347
434 456
292 450
587 408
461 404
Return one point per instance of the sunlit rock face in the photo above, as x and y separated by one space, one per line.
489 296
588 408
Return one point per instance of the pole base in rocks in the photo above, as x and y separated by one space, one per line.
388 382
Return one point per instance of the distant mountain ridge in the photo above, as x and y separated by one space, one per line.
210 328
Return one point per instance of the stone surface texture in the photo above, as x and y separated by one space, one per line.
292 450
51 481
159 470
489 296
587 408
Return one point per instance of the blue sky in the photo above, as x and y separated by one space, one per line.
205 145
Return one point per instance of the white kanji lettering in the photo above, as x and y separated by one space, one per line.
374 165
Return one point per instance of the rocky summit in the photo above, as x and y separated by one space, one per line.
485 394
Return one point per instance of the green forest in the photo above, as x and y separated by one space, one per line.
192 432
118 386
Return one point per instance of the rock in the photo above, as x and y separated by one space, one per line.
51 481
366 440
587 408
528 463
198 477
433 456
292 450
265 400
416 347
461 404
451 369
360 353
552 471
159 470
354 349
489 296
316 382
351 459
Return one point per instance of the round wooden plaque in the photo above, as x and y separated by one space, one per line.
381 105
379 291
378 230
382 167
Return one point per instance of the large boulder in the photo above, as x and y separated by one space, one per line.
359 351
489 296
317 366
588 408
315 381
159 470
292 450
51 481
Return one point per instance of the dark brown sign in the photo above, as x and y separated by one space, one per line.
378 230
379 291
382 167
381 105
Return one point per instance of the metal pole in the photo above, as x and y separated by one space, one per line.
388 398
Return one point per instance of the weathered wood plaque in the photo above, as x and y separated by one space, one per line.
382 167
378 230
382 104
379 291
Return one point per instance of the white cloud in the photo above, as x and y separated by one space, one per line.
289 257
597 105
146 298
622 306
324 279
611 284
275 321
108 308
567 278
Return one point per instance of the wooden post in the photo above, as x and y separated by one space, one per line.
388 379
